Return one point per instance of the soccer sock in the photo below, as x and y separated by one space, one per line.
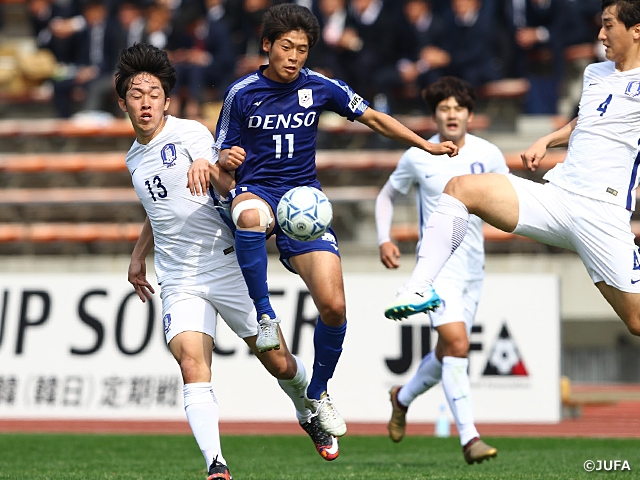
457 388
444 232
429 373
327 342
295 388
251 252
203 414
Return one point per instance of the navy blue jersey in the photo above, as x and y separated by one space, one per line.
277 125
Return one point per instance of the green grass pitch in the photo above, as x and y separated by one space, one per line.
176 457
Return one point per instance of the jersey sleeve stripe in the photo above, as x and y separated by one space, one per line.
225 115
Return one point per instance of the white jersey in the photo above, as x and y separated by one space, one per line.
189 235
430 174
602 158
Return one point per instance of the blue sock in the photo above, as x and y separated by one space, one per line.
327 342
251 252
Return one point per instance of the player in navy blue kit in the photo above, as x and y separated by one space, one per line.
266 134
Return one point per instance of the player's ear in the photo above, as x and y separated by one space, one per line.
122 104
266 45
167 102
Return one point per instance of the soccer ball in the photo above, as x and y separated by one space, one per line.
304 213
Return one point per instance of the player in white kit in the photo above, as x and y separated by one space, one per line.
587 203
460 282
194 258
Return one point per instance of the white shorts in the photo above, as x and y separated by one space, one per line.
460 300
599 232
194 306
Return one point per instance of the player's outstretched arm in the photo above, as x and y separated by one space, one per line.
533 155
231 158
137 274
393 129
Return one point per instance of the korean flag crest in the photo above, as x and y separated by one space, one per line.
305 97
633 89
169 155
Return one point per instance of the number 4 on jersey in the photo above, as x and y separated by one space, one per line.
603 106
636 263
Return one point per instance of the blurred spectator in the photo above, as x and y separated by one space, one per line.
129 23
54 23
158 25
90 73
472 42
374 37
326 55
542 29
204 60
247 36
425 60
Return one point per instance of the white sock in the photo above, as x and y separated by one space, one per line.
444 232
203 414
429 373
296 389
457 388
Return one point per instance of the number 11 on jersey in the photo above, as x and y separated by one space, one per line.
289 139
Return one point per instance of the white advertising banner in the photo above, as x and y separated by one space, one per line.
84 347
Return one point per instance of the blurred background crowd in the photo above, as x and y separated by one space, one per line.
387 50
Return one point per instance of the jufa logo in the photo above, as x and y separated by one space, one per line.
504 359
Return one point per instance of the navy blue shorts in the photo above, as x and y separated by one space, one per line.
287 246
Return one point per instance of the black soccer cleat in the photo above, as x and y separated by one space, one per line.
218 471
326 444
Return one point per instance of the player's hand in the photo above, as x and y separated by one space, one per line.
444 148
233 159
198 177
390 255
137 276
533 155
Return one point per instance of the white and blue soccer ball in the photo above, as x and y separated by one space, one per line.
304 213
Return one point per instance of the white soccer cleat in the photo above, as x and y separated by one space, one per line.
410 302
268 336
328 415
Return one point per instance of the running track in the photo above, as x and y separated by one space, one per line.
618 420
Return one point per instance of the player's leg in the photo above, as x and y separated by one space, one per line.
322 273
490 196
429 373
625 304
253 217
452 348
234 306
192 350
606 245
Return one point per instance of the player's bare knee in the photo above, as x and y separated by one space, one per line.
459 187
333 314
633 324
192 370
248 219
458 347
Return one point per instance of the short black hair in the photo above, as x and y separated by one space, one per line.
287 17
144 58
628 11
446 87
